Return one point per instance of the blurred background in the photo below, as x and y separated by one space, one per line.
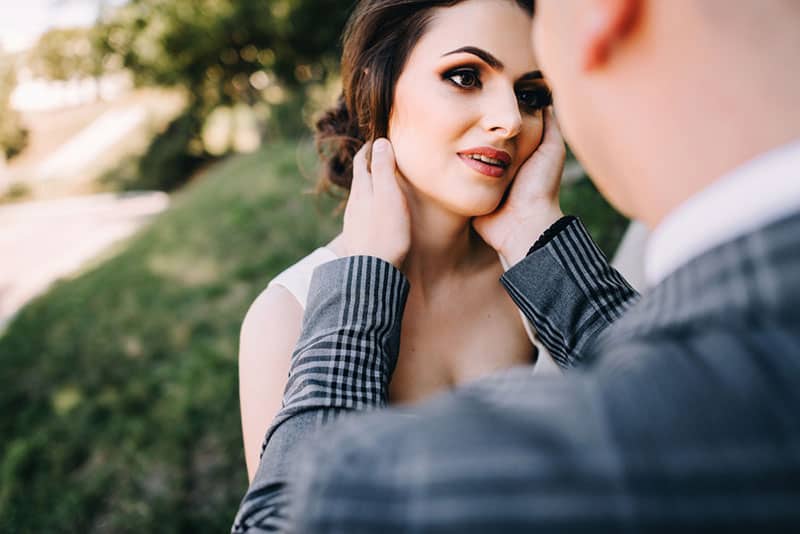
156 171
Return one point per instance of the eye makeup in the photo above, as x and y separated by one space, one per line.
532 93
464 77
533 97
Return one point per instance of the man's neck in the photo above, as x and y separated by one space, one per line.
715 161
753 195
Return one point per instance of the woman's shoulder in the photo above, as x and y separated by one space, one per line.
285 295
297 277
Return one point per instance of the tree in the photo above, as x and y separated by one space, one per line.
213 48
223 53
64 54
13 135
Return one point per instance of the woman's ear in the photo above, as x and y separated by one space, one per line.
603 24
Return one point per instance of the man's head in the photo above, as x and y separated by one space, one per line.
658 98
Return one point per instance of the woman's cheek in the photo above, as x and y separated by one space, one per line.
419 149
408 158
535 134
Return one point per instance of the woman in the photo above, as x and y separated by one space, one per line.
455 88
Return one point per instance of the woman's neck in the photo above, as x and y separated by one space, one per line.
443 244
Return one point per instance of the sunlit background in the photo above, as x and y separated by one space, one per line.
155 173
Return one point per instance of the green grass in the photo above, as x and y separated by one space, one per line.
118 388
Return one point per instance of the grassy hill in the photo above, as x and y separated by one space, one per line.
118 388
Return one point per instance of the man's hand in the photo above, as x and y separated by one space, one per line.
532 203
376 219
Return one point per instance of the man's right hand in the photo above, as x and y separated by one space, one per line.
532 204
376 219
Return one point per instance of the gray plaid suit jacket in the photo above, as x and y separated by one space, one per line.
681 410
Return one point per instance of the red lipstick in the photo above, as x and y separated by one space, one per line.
486 160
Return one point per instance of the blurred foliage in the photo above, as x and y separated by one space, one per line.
227 51
13 134
63 54
119 387
170 160
16 192
222 53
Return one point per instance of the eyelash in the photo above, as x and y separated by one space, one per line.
464 71
541 94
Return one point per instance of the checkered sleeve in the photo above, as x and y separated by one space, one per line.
569 291
342 362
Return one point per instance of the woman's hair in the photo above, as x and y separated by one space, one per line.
377 40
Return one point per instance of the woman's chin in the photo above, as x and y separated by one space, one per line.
472 201
476 207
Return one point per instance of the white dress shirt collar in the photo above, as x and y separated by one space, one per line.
755 194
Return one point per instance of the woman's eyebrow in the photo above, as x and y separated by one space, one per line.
493 61
483 54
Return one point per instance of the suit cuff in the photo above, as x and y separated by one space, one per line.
568 290
552 232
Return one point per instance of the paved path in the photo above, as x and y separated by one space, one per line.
86 146
43 241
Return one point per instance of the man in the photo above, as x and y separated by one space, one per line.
682 410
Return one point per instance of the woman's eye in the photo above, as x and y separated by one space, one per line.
464 78
534 98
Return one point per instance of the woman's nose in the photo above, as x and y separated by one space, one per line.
502 116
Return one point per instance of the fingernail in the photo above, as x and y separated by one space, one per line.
380 145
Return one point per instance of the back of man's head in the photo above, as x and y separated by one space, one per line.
659 98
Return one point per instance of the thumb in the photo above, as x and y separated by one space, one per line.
552 139
547 161
361 184
383 166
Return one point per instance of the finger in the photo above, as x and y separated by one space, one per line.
384 178
362 181
552 130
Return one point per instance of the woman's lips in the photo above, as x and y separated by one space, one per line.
483 168
499 160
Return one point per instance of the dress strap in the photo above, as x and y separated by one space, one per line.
297 278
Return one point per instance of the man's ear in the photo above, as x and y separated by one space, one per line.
604 23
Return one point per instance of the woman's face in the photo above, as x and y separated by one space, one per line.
470 90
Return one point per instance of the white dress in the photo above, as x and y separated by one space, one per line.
297 279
